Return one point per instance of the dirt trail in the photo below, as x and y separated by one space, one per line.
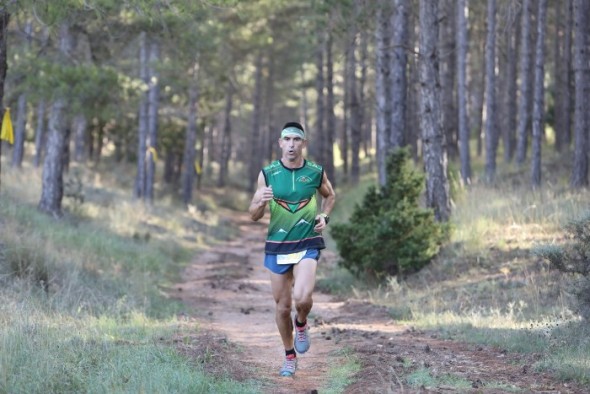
228 292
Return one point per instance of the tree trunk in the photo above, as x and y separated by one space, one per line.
39 133
4 19
539 91
142 118
18 148
525 84
491 134
355 122
365 116
328 162
52 185
320 108
226 138
53 166
510 91
188 163
433 138
563 60
383 88
582 84
349 76
447 74
399 79
271 134
19 132
463 122
152 126
80 126
256 143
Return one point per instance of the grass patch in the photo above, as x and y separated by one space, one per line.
341 374
486 286
83 306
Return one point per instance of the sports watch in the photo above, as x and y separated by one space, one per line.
326 217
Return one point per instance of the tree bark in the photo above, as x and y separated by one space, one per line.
189 156
525 84
510 91
152 120
463 121
582 85
4 19
563 59
53 166
433 138
226 138
399 79
539 91
80 126
256 143
491 134
383 88
328 162
18 149
142 118
39 133
19 132
447 74
52 184
320 108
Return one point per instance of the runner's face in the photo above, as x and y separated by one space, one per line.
292 147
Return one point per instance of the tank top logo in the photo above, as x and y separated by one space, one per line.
303 179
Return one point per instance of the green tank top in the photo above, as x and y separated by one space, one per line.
294 207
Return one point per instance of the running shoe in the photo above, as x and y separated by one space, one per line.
289 366
302 340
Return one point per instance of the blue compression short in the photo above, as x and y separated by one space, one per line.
270 261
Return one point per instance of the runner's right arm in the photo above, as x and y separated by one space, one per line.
262 196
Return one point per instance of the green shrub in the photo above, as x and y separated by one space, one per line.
573 258
390 233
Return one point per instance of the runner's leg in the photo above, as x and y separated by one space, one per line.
304 283
281 291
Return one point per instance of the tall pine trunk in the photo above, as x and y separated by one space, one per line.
525 84
80 124
142 118
491 129
447 70
463 121
4 19
152 120
539 91
433 138
39 133
256 143
510 91
563 59
383 88
190 139
399 72
53 166
21 114
328 162
582 84
226 142
320 139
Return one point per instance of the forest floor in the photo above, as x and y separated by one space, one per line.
227 293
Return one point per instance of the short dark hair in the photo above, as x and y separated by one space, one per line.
293 124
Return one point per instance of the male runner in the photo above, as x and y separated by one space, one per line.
294 238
